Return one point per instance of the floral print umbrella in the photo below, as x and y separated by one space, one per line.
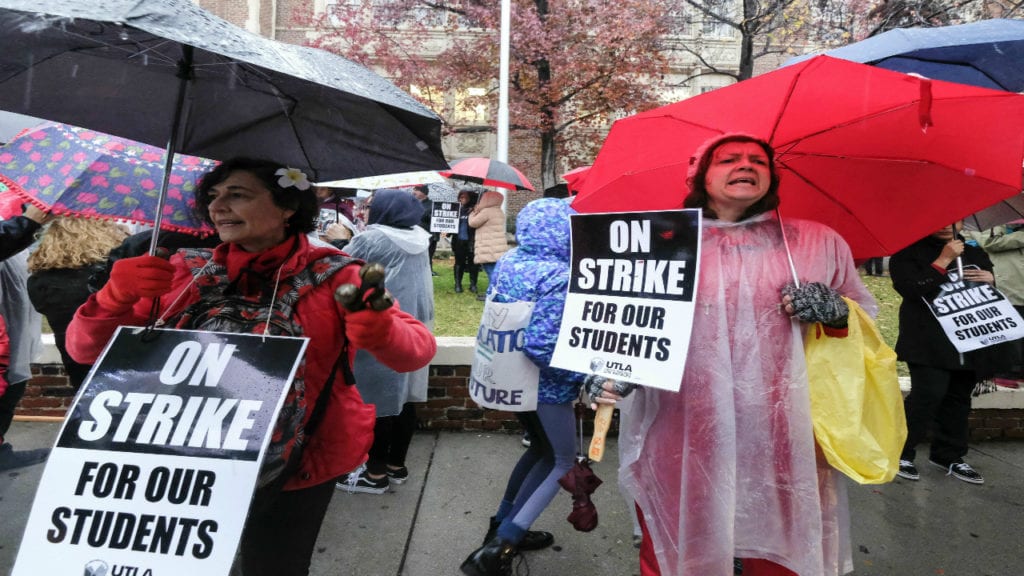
78 172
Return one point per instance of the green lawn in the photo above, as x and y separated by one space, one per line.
459 314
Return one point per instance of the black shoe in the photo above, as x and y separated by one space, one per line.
908 470
10 460
961 471
398 475
359 481
481 297
432 273
492 559
533 540
473 288
458 288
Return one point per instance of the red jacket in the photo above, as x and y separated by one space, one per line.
335 448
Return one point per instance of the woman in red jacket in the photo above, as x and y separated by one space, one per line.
266 272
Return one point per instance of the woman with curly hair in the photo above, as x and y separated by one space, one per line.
69 251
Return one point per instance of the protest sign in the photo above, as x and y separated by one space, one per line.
974 314
156 462
444 217
629 309
502 377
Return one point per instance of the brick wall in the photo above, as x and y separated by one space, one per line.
997 423
449 407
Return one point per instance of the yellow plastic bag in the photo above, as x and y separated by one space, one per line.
856 403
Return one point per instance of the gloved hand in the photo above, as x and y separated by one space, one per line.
595 385
815 302
132 279
369 329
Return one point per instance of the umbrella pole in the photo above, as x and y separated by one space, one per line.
184 73
789 255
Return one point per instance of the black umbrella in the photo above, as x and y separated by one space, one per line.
167 73
987 53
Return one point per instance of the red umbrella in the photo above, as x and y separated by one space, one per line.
574 178
882 157
488 172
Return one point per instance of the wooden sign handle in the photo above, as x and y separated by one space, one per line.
602 420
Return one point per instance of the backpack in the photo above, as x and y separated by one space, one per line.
220 309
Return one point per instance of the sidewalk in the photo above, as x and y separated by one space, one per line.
428 525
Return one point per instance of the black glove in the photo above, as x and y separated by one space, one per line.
595 385
815 302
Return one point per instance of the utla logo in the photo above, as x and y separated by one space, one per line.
101 568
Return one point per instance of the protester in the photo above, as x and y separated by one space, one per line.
462 243
334 225
263 213
70 251
941 378
537 271
875 266
490 242
394 239
725 473
421 192
23 329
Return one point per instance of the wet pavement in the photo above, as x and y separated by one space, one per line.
426 526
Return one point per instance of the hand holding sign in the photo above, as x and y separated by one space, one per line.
604 394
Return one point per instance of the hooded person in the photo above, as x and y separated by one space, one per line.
725 473
490 242
536 271
394 239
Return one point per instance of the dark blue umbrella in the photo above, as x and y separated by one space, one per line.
988 53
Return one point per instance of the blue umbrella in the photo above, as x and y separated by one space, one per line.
988 53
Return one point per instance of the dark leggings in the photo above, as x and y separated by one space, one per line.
391 438
280 540
534 479
462 250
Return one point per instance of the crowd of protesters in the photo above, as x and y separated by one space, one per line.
278 257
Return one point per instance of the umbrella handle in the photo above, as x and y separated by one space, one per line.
602 420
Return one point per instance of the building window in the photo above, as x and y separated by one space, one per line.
471 107
714 27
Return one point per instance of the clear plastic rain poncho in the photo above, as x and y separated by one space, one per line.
726 467
394 240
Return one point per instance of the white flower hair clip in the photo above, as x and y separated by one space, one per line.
292 177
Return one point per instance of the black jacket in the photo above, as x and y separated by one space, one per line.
921 338
57 293
16 234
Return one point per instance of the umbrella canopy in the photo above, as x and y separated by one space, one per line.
129 68
442 192
386 180
574 178
489 173
988 53
78 172
1003 212
883 158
